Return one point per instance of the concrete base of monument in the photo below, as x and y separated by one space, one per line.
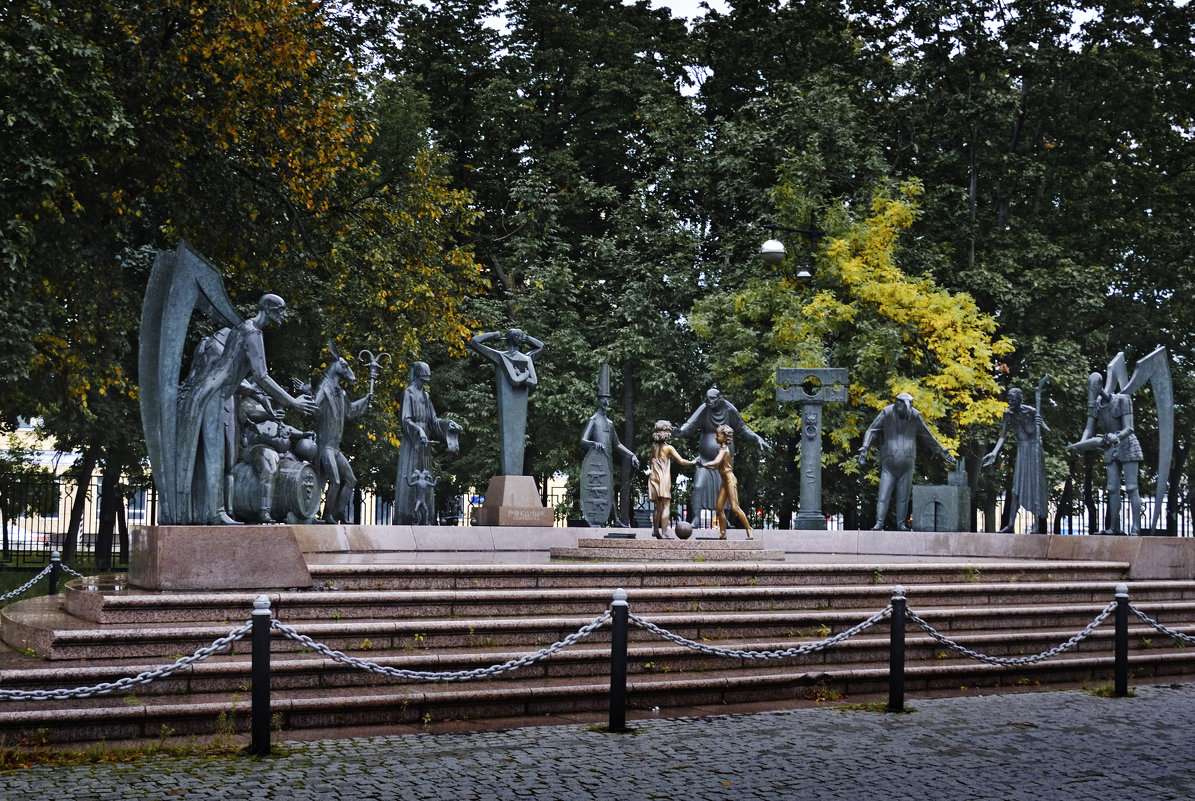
216 558
513 501
199 558
1149 557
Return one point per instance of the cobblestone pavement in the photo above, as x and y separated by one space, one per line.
1045 745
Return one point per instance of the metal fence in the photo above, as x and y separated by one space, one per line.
37 513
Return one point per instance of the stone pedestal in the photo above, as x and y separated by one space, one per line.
938 507
513 501
216 558
812 387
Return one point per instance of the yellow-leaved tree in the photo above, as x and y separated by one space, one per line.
893 331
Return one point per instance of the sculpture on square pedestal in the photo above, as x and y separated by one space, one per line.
1029 472
1110 406
898 429
812 387
514 371
598 502
421 426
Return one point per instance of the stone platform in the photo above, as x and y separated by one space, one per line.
279 556
699 549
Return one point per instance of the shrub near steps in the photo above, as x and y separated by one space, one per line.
430 629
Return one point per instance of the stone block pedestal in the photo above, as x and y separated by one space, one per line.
513 501
941 507
216 558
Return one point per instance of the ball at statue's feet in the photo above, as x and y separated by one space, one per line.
684 530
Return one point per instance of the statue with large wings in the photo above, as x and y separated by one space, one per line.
1110 406
189 428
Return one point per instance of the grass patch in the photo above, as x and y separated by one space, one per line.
20 757
872 706
1108 691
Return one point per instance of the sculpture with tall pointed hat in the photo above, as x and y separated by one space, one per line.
598 502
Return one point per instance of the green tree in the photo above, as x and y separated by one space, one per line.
247 128
570 129
894 332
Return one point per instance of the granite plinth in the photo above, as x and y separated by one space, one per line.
660 550
216 558
941 507
513 501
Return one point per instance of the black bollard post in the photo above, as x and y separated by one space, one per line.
55 571
896 652
619 629
1121 644
259 744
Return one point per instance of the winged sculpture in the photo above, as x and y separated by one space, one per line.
1110 408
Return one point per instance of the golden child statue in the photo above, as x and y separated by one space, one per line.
728 493
659 483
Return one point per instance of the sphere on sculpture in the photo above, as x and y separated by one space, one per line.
684 530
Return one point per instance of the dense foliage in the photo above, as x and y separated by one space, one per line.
1001 190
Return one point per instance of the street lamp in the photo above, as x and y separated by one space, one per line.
773 251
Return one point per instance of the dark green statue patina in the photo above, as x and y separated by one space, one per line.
188 424
1110 406
598 502
515 374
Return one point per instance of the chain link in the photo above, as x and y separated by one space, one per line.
738 654
71 570
1178 635
446 675
1014 660
131 681
45 572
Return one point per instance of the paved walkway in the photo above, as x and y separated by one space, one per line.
1052 745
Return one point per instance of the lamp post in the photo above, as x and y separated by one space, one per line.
773 250
812 388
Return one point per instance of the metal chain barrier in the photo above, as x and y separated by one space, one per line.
445 675
45 572
121 684
799 650
1014 660
72 571
1178 635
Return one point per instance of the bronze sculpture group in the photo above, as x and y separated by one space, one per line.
223 454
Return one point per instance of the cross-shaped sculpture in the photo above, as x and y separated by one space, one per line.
812 387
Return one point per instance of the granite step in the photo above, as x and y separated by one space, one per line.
697 549
130 606
137 624
300 669
363 574
435 618
135 715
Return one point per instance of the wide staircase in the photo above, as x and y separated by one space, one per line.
466 619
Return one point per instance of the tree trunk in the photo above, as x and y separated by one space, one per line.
794 480
84 469
628 439
110 501
1064 504
122 526
1093 517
